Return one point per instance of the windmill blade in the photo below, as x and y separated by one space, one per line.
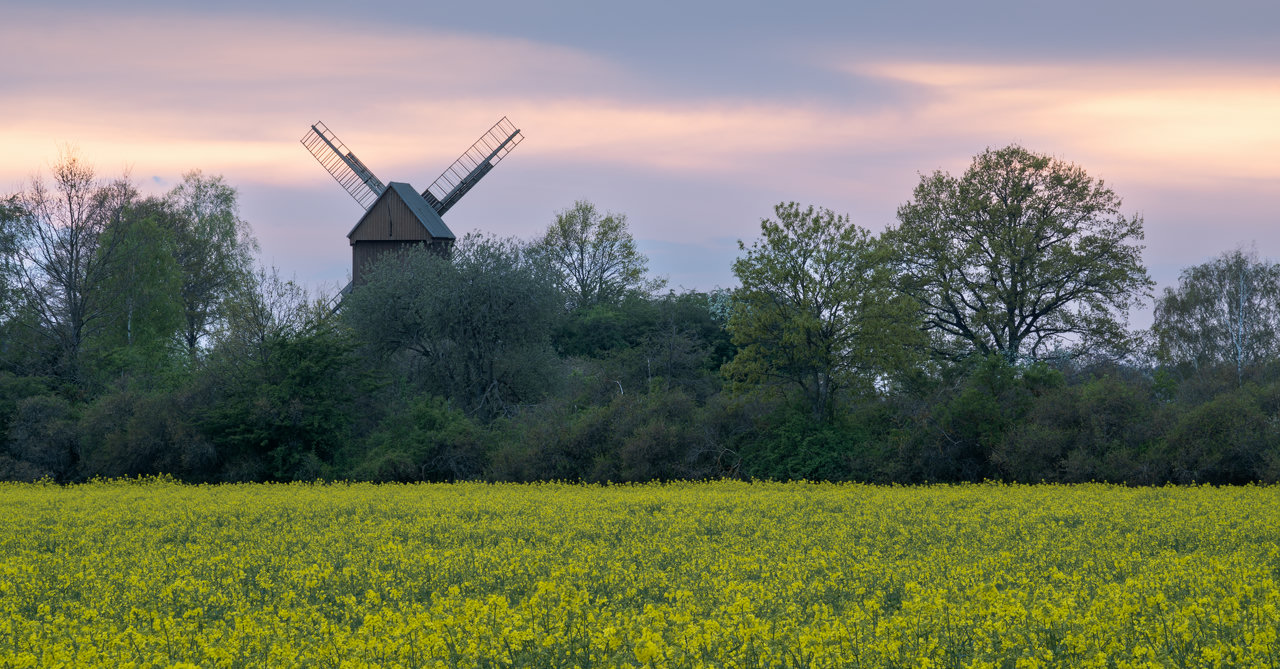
346 168
475 162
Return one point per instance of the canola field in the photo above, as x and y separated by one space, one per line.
722 574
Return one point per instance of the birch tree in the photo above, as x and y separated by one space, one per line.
1223 312
214 249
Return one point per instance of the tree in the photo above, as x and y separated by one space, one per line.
67 256
594 255
473 327
214 249
815 310
288 412
1223 312
281 383
11 217
1022 256
144 299
264 308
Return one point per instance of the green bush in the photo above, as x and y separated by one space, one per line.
429 441
134 433
42 434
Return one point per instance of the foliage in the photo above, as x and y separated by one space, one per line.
815 312
139 335
792 447
1024 255
1232 439
66 259
1223 312
428 441
1099 430
42 434
475 327
135 339
133 432
11 219
594 256
288 414
155 573
671 340
266 308
213 249
633 437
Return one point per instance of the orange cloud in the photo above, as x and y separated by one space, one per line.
1162 121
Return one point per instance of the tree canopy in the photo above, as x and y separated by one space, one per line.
501 359
594 255
815 311
213 247
475 324
1225 311
1023 255
66 257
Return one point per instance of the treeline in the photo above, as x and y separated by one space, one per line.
982 336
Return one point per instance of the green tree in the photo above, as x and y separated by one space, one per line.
815 311
67 257
267 307
288 412
145 301
280 384
1023 255
11 216
214 250
1223 312
473 328
594 255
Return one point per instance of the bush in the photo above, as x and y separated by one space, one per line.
634 437
1233 438
428 441
1100 430
286 415
132 433
42 435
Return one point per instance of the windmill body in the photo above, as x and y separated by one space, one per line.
398 217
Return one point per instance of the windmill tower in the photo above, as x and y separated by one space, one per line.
396 216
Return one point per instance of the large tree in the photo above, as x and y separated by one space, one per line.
143 297
473 327
1024 256
594 255
1223 312
67 255
815 311
214 249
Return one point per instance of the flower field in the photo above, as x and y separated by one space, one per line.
714 574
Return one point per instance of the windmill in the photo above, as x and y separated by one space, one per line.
395 215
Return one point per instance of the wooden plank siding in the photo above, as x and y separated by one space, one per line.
393 224
389 218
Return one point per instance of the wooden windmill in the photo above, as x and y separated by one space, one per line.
396 216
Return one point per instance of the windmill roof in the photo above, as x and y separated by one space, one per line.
418 206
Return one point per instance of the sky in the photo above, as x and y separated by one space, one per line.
693 118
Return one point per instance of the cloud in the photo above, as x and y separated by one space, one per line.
692 160
1168 121
172 92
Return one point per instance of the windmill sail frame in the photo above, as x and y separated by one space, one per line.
342 164
472 165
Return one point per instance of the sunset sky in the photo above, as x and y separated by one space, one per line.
693 119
